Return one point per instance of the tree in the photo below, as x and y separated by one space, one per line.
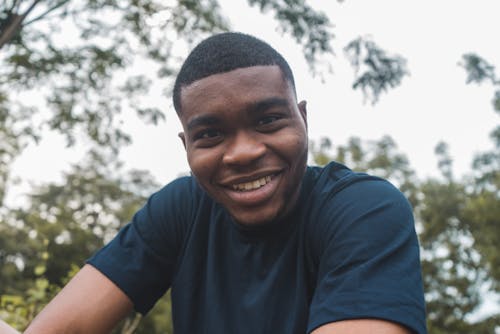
379 70
452 274
460 233
62 225
82 70
483 209
81 57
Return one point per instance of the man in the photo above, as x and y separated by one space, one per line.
254 241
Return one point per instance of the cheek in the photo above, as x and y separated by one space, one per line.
202 163
293 147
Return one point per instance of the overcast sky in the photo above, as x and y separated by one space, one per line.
431 105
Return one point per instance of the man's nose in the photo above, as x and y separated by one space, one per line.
243 149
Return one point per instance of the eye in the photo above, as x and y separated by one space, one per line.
207 138
270 123
268 120
207 134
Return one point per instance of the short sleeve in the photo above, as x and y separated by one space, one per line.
141 259
369 265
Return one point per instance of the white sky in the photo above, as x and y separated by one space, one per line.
433 104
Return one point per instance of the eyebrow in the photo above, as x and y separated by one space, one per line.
203 120
267 103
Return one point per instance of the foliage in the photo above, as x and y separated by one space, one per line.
19 310
479 70
301 20
14 132
84 69
482 210
93 63
61 226
375 70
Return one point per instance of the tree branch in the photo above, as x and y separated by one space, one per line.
13 7
15 24
130 326
59 4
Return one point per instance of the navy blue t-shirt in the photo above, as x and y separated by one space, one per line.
348 250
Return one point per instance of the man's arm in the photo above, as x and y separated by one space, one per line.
369 266
89 303
6 329
361 326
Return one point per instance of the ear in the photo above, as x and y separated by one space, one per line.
183 138
303 110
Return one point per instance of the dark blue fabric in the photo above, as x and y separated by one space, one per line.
349 250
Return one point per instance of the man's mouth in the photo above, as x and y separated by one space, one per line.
252 185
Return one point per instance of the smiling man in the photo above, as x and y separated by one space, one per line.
254 241
247 144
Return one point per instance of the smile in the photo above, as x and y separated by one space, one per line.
252 185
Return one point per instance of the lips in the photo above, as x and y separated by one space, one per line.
253 191
252 185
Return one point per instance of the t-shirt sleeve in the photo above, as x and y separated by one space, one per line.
368 253
141 258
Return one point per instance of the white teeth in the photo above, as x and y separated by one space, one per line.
252 184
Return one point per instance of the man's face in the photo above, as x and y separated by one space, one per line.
246 141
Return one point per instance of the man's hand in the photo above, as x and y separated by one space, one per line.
90 303
6 329
361 326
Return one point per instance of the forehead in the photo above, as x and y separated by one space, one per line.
234 89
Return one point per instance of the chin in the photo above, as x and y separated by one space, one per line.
254 219
251 221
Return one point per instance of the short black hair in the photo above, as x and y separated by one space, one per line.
226 52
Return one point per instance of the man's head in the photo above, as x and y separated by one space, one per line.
244 132
223 53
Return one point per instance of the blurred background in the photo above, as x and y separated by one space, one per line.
409 91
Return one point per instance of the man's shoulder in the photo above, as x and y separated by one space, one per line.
334 194
182 187
334 177
180 197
